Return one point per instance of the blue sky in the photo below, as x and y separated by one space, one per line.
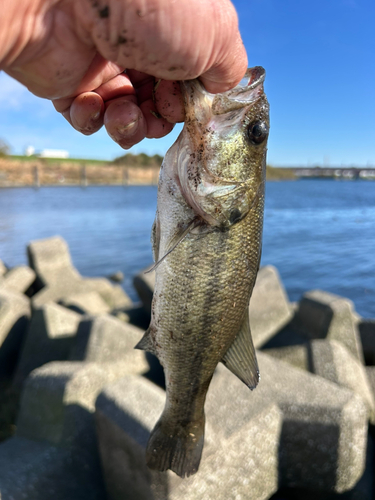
320 62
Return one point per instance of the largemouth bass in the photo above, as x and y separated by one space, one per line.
207 244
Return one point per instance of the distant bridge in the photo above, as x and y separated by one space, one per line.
349 173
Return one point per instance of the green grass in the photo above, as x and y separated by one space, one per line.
55 160
141 161
279 174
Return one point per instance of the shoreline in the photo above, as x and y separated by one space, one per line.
41 172
37 172
20 172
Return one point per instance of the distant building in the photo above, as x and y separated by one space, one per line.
53 153
29 151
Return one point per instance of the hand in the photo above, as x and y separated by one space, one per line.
75 52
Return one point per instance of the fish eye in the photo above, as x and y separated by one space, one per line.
257 132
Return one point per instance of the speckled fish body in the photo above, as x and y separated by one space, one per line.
207 239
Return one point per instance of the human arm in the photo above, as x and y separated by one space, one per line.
74 53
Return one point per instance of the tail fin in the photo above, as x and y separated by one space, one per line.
176 446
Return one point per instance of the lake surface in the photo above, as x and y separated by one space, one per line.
318 233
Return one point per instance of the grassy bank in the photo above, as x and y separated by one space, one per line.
279 174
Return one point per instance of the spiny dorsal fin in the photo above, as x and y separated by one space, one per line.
240 358
146 344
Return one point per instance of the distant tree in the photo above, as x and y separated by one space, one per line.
140 160
4 148
159 159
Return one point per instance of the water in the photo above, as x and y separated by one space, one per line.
318 233
321 234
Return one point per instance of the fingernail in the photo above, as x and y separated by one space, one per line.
95 116
128 129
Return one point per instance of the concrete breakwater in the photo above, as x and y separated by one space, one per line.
39 172
78 402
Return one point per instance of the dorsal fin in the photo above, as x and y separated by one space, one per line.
146 344
240 358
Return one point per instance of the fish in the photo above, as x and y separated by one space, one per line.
206 239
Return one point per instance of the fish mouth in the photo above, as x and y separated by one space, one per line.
205 104
244 94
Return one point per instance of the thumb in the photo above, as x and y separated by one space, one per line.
229 71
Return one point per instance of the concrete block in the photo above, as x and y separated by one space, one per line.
331 360
239 458
49 338
367 334
322 443
370 372
324 431
135 315
363 490
269 307
144 285
58 400
51 261
18 279
322 315
125 414
3 268
286 337
105 339
38 471
295 355
112 294
117 277
14 318
86 303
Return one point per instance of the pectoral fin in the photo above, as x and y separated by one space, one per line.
176 240
155 237
240 358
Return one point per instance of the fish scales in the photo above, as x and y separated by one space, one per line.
207 245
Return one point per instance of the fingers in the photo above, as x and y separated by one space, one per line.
170 40
157 39
226 75
229 59
86 113
157 126
125 105
168 101
125 122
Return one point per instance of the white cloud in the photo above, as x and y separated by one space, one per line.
12 93
14 97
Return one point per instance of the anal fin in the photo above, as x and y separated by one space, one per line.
241 359
146 344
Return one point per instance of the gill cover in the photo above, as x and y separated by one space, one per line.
218 201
